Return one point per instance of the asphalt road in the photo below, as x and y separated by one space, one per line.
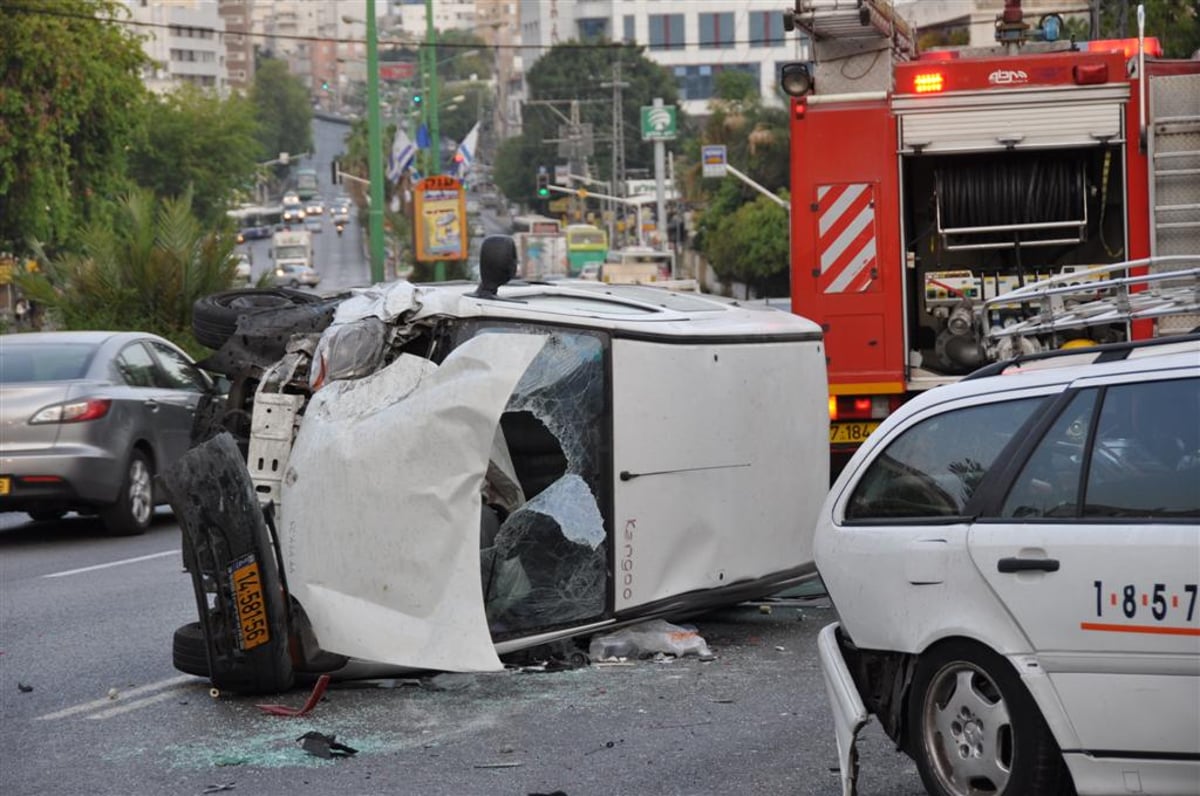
91 703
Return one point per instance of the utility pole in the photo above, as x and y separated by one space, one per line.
660 150
618 147
374 149
431 89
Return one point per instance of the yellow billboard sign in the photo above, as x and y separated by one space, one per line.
439 215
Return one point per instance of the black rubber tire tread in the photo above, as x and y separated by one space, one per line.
218 511
1037 767
118 519
215 317
189 652
46 515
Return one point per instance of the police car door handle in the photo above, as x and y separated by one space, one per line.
1027 565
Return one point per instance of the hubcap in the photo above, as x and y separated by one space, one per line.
141 492
967 732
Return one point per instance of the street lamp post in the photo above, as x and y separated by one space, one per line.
374 149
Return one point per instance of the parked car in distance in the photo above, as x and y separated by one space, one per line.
1014 562
291 275
537 499
244 273
89 420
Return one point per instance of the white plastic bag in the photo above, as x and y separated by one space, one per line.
647 639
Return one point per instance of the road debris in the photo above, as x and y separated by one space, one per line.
326 746
313 698
219 788
113 693
646 639
24 689
513 764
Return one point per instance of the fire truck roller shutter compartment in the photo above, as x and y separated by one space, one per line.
999 193
1030 119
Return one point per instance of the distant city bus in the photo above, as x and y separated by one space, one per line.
585 244
306 183
255 221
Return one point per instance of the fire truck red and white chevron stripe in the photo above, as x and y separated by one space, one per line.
846 237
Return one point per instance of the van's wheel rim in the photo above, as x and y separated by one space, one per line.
141 492
967 731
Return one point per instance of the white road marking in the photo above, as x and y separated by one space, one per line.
96 704
135 704
66 572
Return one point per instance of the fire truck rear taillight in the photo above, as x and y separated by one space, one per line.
928 82
862 407
1087 74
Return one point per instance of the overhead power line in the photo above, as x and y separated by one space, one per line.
384 42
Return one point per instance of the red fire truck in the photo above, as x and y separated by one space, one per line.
928 187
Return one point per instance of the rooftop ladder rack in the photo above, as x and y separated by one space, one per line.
866 20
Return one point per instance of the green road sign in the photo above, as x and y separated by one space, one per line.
658 123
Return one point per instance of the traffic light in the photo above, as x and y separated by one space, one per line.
416 99
325 85
543 185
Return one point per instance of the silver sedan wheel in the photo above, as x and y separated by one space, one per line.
966 731
141 492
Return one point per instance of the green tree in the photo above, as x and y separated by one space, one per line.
194 138
70 97
284 112
750 244
1176 23
450 43
143 271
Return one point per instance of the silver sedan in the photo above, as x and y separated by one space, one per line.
87 420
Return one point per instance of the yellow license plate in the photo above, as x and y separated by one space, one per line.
5 485
850 433
251 608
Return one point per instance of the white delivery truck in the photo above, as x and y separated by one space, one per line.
292 251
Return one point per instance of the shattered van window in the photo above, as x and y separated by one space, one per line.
547 564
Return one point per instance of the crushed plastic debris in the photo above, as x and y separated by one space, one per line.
646 639
326 746
313 698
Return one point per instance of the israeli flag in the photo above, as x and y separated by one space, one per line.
401 156
465 155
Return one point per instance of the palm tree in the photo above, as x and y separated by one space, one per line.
141 272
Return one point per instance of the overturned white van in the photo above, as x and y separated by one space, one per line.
436 476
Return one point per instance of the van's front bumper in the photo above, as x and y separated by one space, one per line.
849 713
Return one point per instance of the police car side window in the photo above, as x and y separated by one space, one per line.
1145 462
1048 485
933 468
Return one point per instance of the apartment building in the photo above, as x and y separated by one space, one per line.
239 43
695 39
185 40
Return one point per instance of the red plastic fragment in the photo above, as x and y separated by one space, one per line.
313 698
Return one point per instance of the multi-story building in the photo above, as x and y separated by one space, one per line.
239 44
695 39
185 40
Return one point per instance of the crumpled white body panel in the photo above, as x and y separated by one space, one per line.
380 516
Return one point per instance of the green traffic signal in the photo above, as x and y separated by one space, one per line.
543 192
416 99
